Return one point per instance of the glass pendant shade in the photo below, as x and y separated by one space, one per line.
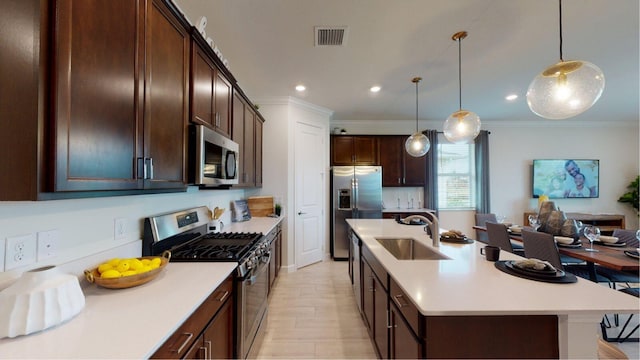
462 127
565 89
417 144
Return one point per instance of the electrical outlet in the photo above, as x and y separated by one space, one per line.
119 228
47 244
20 251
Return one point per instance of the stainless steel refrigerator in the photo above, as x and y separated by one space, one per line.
356 193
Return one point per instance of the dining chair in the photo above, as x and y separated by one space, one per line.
481 220
626 277
542 246
621 335
499 236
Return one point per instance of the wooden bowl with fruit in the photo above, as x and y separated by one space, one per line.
125 273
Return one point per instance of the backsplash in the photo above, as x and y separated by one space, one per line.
402 197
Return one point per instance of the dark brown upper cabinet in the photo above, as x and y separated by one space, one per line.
354 150
247 132
398 167
210 92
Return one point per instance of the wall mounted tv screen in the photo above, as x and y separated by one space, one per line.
566 178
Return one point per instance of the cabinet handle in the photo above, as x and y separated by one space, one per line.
150 165
396 299
372 288
142 168
204 349
223 297
388 320
208 342
186 341
399 182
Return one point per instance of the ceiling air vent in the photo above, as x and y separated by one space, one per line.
330 35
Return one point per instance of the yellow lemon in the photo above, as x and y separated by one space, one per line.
123 266
156 261
135 264
144 269
104 267
154 266
129 273
145 262
110 274
114 262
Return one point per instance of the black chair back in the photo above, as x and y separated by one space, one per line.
499 236
481 220
627 236
541 246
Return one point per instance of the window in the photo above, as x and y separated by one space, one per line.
456 175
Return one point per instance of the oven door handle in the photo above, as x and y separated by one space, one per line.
261 270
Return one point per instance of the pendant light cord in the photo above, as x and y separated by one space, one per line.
459 73
417 106
560 21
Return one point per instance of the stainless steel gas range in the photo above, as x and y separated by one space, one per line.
184 233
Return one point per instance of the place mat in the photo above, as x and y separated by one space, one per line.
571 246
456 240
566 279
633 254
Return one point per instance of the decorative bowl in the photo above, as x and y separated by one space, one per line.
608 239
93 276
515 228
39 299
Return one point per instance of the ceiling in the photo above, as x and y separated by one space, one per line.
269 45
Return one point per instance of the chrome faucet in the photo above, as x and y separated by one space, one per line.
432 223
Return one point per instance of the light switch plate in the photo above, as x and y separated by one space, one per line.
119 228
20 251
47 244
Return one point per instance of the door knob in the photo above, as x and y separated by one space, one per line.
301 213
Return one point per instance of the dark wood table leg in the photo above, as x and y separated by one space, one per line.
591 268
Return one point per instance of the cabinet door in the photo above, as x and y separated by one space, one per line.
218 336
391 160
197 350
258 151
381 320
98 85
367 295
415 169
249 168
342 150
403 343
222 104
166 98
365 150
201 87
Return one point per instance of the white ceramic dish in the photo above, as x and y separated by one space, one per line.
563 240
608 239
515 229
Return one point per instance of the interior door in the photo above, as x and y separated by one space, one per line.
310 194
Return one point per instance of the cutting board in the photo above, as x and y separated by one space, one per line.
260 206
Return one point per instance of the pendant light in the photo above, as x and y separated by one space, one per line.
417 144
462 126
566 88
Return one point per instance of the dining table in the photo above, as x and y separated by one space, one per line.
609 256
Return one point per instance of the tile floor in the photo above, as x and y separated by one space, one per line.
313 314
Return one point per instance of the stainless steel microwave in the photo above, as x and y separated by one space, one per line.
213 158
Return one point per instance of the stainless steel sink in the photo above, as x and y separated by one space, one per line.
410 249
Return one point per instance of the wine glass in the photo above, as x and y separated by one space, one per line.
500 218
592 233
534 222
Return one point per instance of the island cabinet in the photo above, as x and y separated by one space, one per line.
247 132
210 91
208 332
398 167
375 303
405 341
120 105
354 150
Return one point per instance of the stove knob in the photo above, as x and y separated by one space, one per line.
249 264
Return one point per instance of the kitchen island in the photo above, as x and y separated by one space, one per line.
468 286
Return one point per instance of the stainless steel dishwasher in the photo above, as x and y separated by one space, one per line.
357 281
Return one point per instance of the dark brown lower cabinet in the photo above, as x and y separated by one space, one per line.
208 332
403 343
375 303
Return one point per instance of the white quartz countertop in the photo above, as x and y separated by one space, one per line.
125 323
134 322
470 285
405 210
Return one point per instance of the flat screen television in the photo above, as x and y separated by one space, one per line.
566 178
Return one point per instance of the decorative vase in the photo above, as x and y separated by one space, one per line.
570 229
554 223
543 215
39 299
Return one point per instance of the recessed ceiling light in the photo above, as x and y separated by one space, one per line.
511 97
300 88
375 89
